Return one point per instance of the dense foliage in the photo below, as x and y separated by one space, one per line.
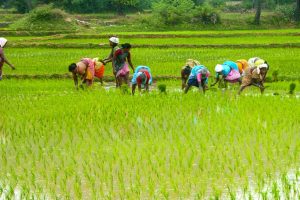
120 6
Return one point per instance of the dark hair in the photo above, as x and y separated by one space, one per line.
72 67
126 46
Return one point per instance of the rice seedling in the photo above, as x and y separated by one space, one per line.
68 145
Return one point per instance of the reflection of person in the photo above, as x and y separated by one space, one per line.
198 78
121 66
186 71
142 78
3 59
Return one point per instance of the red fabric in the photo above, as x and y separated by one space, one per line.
1 57
139 80
118 52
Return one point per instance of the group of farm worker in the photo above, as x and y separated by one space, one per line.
3 59
88 68
247 73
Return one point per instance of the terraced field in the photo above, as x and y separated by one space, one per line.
101 143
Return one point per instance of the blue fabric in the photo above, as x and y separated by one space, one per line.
226 70
193 75
232 65
193 82
135 75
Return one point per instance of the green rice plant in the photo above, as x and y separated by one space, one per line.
162 88
275 75
292 88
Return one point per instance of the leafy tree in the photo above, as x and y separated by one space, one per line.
258 12
297 11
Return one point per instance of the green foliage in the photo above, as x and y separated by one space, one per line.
56 142
206 15
285 13
292 88
125 89
162 88
82 6
169 12
172 13
275 75
216 3
44 18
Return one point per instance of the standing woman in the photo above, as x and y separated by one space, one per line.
121 60
3 59
113 43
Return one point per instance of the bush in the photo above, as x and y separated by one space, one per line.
173 12
292 88
162 88
44 18
206 15
285 13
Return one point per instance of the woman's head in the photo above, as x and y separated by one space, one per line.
3 42
126 47
192 63
113 41
72 67
219 68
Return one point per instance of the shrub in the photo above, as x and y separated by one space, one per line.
162 88
206 15
292 88
173 12
275 75
285 13
125 89
44 18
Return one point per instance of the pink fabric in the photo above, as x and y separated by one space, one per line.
233 76
199 76
91 68
123 71
1 57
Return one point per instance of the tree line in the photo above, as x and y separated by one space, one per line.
161 6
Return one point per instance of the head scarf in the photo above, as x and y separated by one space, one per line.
3 41
218 68
114 40
261 66
192 63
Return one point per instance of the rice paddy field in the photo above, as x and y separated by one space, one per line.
101 143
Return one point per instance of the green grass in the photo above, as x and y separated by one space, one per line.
169 41
161 61
63 143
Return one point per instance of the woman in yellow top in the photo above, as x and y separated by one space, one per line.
242 65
